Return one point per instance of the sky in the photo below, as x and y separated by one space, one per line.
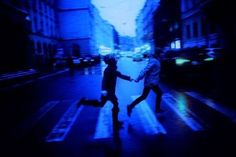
120 13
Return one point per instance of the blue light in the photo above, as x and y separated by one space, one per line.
172 45
182 104
181 61
209 59
177 44
179 106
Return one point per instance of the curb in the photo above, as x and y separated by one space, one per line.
31 80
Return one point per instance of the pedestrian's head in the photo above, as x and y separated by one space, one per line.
110 59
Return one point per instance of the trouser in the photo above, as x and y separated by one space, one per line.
115 109
145 93
102 102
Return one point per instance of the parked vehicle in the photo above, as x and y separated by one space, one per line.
137 57
76 61
190 65
89 60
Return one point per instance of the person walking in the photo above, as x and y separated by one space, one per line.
150 74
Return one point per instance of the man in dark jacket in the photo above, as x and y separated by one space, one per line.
108 88
109 85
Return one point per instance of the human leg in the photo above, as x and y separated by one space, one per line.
145 92
158 93
115 112
103 100
93 102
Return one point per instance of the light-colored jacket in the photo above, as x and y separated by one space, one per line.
151 72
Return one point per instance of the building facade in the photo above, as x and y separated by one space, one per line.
44 31
104 37
167 25
81 26
14 30
75 26
144 22
197 29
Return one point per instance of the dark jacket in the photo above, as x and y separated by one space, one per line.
109 79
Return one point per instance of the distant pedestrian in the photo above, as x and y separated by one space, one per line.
108 89
151 82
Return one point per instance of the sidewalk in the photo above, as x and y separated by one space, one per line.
15 79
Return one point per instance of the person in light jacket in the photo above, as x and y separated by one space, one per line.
150 74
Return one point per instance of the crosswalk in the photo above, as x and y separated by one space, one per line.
218 107
62 128
104 123
179 107
148 119
143 119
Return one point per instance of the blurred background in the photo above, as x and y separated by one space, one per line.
51 55
197 38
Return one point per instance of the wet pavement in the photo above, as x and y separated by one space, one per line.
41 118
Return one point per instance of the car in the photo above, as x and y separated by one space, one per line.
76 61
192 56
137 57
190 65
88 60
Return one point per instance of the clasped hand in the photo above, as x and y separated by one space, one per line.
135 80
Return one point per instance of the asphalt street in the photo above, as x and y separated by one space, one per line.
41 119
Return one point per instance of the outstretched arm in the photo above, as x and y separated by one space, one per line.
144 71
125 77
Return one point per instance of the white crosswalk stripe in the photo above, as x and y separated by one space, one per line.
218 107
148 119
104 123
183 112
62 128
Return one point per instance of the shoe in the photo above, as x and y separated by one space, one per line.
159 111
129 110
